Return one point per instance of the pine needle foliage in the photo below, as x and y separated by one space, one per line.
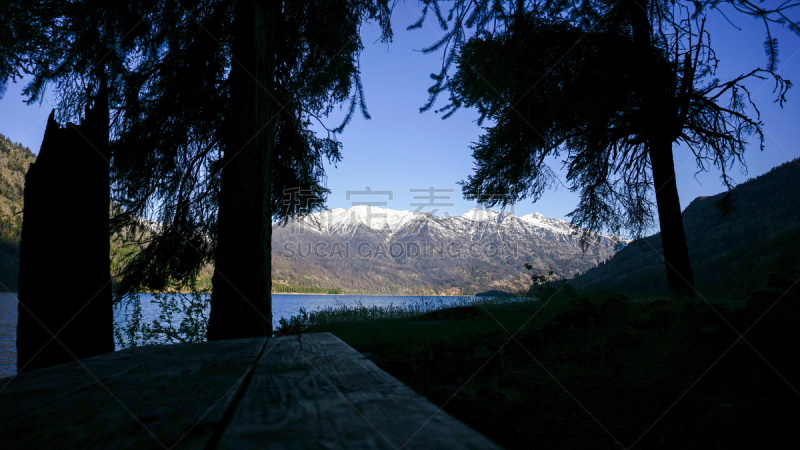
559 79
607 88
167 67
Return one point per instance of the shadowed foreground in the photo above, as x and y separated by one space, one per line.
292 392
594 370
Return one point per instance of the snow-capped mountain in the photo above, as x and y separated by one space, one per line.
344 222
389 223
367 249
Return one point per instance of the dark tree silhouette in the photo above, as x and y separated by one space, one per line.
65 302
211 104
13 44
289 64
65 309
607 86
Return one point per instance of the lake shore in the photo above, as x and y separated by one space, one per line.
283 306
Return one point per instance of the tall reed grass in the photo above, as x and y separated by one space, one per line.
360 313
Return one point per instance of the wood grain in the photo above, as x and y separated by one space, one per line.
307 391
151 397
314 391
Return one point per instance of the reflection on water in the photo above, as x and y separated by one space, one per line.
8 334
283 305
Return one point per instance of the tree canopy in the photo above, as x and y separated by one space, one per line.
168 68
607 87
573 91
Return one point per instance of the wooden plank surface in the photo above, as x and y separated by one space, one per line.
27 392
314 391
307 391
150 397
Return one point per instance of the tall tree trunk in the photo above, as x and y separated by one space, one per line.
656 86
240 301
65 270
673 237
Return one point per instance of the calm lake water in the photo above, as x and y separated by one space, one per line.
283 305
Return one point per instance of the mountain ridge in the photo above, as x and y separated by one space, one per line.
730 255
371 250
390 220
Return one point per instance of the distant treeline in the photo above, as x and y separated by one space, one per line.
285 289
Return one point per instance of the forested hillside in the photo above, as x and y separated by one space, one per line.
731 255
14 162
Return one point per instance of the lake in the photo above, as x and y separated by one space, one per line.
283 305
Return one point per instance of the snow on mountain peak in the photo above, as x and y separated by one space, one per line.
538 220
384 220
479 215
389 221
381 219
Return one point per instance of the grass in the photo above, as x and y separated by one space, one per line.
359 313
278 288
592 370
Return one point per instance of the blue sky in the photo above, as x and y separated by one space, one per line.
401 149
